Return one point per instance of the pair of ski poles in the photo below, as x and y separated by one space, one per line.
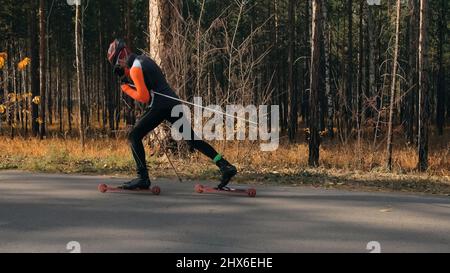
195 105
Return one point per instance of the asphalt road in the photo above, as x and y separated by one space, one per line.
44 212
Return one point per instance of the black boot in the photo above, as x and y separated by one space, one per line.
142 182
227 170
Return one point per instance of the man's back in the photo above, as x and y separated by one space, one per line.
153 76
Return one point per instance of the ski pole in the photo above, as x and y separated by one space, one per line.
168 158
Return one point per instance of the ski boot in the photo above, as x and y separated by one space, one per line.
227 170
142 182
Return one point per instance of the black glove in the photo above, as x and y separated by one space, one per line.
125 80
119 71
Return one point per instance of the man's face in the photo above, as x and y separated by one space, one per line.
122 62
126 69
121 67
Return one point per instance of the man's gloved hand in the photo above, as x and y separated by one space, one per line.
125 80
119 71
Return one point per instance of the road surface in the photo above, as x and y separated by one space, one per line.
44 212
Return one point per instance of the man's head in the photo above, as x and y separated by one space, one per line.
118 54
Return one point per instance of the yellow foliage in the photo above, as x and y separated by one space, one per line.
2 109
3 57
36 100
2 62
12 97
39 120
24 63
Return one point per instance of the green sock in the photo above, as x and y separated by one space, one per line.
217 158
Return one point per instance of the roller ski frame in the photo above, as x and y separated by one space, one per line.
103 188
250 192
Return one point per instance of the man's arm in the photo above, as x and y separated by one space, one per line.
140 92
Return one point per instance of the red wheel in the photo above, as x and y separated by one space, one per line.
251 192
102 188
156 190
199 188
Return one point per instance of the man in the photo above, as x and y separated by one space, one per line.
141 77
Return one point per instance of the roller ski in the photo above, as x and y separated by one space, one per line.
140 184
250 192
227 171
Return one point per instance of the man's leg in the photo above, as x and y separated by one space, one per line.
149 121
227 170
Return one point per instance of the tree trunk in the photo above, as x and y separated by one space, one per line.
42 66
293 109
6 85
69 98
35 78
48 57
130 116
393 86
412 71
424 111
154 29
360 105
316 77
328 91
372 83
441 85
14 91
59 96
349 71
164 20
101 74
80 74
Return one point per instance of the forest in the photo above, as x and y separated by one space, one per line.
361 86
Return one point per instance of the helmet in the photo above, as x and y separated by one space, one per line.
118 50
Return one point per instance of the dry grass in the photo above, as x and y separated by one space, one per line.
341 166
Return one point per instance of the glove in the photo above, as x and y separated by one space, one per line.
125 80
119 71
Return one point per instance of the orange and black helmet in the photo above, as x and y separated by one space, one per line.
117 50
